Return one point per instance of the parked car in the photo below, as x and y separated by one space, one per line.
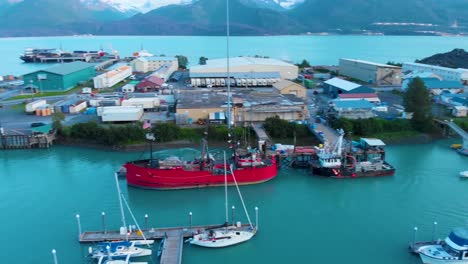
37 124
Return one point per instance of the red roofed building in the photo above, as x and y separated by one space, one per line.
150 83
371 97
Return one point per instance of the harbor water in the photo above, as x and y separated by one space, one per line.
318 50
302 219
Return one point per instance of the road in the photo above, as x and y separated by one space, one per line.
10 93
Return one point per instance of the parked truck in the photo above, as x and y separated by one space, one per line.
146 103
31 107
120 113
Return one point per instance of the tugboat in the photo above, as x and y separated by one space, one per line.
453 250
360 159
174 173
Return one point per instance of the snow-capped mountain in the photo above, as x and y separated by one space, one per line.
288 4
142 6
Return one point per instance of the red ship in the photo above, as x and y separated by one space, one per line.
173 173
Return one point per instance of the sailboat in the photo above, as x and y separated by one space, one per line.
228 235
104 260
123 248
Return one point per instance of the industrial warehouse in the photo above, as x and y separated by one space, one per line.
60 78
244 71
250 106
373 73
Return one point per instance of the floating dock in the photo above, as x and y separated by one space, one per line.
173 246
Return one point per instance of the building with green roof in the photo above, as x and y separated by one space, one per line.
62 77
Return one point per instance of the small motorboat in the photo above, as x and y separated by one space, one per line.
464 174
118 250
453 250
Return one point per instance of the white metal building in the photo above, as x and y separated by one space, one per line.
445 73
371 72
147 64
111 78
247 65
165 71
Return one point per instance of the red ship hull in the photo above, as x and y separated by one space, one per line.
178 178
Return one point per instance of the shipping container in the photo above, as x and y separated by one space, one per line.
121 114
77 107
31 107
309 83
146 103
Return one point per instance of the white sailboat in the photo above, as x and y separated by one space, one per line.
228 235
104 260
464 174
105 251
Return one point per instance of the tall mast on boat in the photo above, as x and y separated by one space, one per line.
121 205
228 72
225 190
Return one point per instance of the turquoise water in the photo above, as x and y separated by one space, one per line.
303 219
316 49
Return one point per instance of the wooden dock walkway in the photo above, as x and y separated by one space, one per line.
173 246
172 250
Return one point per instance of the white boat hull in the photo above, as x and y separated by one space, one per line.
435 254
430 260
464 174
134 252
221 238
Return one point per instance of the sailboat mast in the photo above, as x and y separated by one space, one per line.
228 72
121 205
225 188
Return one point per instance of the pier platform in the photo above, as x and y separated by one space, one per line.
173 246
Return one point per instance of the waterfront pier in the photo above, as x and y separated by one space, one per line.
26 141
174 238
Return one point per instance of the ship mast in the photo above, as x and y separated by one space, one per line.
228 72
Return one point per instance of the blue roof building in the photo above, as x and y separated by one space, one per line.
353 104
354 109
437 86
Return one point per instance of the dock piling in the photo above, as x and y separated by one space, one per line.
190 219
233 210
256 217
434 229
414 235
146 221
79 225
54 253
109 252
103 214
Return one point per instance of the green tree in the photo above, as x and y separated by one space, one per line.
393 63
202 60
182 60
417 100
304 64
57 119
166 132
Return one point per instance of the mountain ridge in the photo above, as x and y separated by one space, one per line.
248 17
